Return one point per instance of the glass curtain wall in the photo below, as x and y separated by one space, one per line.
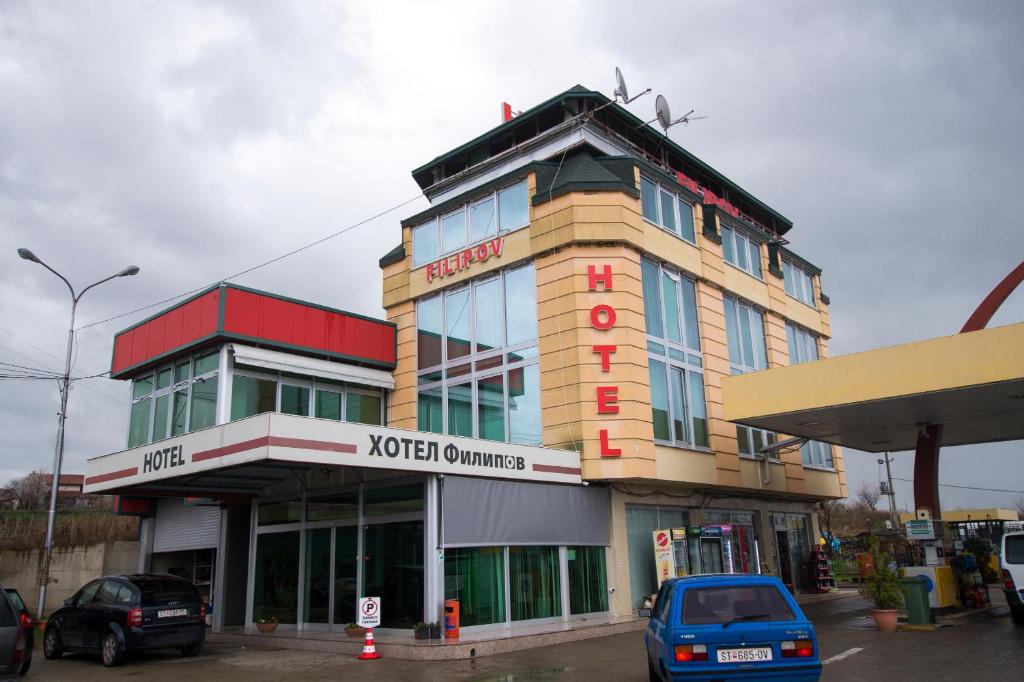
477 359
534 583
476 577
254 392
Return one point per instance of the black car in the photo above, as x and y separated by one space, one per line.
117 615
26 624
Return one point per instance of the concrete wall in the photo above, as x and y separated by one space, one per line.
70 568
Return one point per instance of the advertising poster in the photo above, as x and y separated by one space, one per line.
663 561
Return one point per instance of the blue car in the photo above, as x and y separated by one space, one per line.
729 627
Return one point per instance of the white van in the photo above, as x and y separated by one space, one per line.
1012 562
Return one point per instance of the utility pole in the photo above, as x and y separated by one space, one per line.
893 517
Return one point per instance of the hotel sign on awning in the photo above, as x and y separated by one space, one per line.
301 440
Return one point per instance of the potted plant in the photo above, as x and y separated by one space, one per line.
881 587
266 625
435 630
353 630
421 630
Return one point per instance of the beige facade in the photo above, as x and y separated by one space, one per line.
565 238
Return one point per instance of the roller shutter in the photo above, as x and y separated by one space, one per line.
180 527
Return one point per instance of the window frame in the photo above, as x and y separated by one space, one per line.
796 337
436 224
741 367
171 390
815 454
312 385
733 234
677 214
800 285
499 356
682 356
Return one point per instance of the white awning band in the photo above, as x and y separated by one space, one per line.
300 364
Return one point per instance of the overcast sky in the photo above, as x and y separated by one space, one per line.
198 139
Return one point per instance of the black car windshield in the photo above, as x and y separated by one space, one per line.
734 603
156 591
1014 549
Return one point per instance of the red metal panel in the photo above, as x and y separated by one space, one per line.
169 331
294 325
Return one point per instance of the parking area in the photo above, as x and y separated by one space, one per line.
976 645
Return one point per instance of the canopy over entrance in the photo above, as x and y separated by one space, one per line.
879 400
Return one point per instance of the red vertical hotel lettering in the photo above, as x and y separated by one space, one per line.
603 318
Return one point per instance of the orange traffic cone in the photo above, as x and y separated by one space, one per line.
369 650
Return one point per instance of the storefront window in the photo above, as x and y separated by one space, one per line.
275 588
476 577
333 507
641 522
534 583
481 379
393 500
272 513
588 581
393 568
318 575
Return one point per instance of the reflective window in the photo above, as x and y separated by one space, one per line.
138 427
426 246
744 329
393 500
207 363
501 211
203 411
453 231
363 408
814 453
328 405
742 250
675 363
803 345
798 282
333 507
483 222
514 207
664 207
275 586
161 408
481 379
274 513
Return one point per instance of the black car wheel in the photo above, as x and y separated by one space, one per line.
26 663
190 650
52 646
651 672
111 651
1017 614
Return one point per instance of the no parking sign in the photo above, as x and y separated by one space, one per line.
369 612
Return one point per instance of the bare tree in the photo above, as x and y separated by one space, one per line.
28 492
827 513
868 495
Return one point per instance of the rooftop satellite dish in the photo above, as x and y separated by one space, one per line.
663 112
622 91
663 115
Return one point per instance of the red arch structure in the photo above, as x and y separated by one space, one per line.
929 437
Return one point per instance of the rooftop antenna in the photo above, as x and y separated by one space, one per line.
622 91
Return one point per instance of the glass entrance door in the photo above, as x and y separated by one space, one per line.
711 555
393 570
346 563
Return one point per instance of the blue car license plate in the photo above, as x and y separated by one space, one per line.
745 655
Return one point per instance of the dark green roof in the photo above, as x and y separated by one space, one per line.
393 256
584 170
554 110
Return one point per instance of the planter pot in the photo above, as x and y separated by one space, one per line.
266 628
886 619
435 632
355 632
421 633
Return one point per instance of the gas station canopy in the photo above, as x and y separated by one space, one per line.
972 383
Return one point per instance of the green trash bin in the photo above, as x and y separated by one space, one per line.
915 596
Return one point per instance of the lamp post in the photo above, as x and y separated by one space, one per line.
65 387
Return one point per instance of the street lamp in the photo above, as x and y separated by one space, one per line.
65 386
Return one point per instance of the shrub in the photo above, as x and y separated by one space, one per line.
881 584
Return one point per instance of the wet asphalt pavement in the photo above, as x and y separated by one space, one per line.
976 646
